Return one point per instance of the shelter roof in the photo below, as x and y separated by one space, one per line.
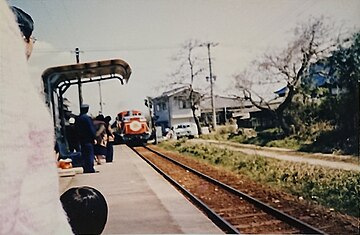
89 70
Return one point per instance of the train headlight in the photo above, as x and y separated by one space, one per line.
135 126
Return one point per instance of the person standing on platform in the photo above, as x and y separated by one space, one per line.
110 142
86 133
101 139
29 181
72 136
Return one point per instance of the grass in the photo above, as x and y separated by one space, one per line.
316 141
336 189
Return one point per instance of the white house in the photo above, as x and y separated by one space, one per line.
174 107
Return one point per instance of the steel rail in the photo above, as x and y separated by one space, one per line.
212 215
302 226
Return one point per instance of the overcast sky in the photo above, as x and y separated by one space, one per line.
148 33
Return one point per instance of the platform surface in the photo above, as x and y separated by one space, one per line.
140 201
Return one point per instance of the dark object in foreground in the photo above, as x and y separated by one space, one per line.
86 209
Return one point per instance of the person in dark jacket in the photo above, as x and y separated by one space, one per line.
86 133
110 142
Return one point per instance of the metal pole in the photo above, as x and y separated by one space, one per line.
77 54
101 103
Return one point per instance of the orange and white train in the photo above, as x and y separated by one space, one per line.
132 127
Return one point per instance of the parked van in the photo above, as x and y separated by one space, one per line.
186 129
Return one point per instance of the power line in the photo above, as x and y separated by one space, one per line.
95 50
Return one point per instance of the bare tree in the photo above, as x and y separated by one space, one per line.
190 68
313 41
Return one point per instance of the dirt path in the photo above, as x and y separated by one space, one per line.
336 162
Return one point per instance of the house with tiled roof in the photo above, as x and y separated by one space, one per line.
173 107
237 108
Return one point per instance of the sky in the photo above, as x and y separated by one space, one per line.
149 33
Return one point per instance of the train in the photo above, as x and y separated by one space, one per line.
131 128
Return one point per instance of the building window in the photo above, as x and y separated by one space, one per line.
163 106
184 104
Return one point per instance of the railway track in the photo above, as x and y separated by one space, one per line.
231 210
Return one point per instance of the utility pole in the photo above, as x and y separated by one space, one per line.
101 102
211 79
77 56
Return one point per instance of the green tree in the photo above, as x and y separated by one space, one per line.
346 61
336 101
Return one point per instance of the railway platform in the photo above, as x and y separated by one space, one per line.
140 201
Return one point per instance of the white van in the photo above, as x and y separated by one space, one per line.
186 129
